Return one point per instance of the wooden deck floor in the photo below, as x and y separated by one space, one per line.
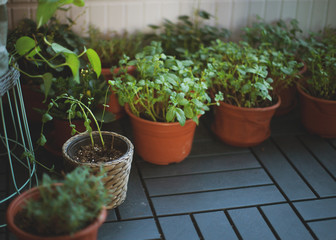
285 188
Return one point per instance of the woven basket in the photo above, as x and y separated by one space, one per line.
9 80
117 171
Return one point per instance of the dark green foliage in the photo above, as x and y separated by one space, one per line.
113 46
188 34
320 57
67 208
238 71
280 35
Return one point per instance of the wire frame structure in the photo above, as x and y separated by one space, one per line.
15 140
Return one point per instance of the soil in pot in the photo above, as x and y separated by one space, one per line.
96 154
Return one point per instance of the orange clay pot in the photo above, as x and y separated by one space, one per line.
113 102
161 143
318 115
242 127
88 233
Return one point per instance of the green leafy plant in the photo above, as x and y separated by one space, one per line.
320 58
67 207
76 108
188 34
281 42
280 35
163 89
238 71
111 47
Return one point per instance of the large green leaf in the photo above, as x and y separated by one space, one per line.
24 45
72 61
47 8
47 80
94 61
60 49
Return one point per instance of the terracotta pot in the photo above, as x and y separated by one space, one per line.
161 143
242 127
289 98
33 99
88 233
117 171
113 102
318 115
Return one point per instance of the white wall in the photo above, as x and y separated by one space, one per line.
133 15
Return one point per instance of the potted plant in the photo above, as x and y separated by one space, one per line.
164 101
111 47
70 209
80 79
318 88
49 27
98 150
240 73
282 42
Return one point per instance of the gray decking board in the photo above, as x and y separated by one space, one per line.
250 224
194 165
317 209
178 228
215 225
214 147
285 222
325 153
282 172
216 200
306 164
129 230
206 182
136 203
325 230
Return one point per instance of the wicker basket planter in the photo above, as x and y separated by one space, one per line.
117 171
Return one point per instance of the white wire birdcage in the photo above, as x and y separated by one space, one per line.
15 137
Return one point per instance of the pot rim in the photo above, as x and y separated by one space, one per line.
246 109
17 203
124 157
298 85
163 124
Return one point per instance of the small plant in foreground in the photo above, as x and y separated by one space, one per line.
65 208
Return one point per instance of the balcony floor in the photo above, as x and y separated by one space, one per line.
284 188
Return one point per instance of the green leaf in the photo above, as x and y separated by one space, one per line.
24 45
46 117
73 62
94 61
180 116
79 3
188 111
42 140
170 114
47 80
60 49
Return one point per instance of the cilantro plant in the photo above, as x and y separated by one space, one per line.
163 89
238 71
67 208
